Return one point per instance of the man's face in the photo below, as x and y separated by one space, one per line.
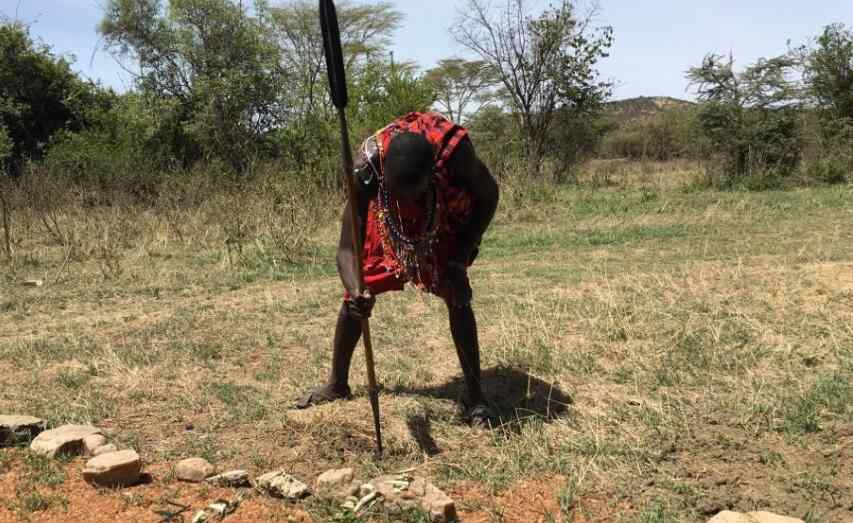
413 190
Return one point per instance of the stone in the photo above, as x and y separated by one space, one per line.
337 484
194 470
67 439
19 429
232 479
114 469
279 484
752 517
104 449
91 443
406 492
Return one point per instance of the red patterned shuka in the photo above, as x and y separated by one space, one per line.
385 269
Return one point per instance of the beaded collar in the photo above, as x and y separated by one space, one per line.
409 250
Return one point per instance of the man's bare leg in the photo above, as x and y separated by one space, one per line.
463 327
347 334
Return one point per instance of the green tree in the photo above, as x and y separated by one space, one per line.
546 64
828 68
750 117
311 131
827 65
366 31
385 91
39 94
499 140
458 84
218 60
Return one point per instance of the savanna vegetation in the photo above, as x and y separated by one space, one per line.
664 298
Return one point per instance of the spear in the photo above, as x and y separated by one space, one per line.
338 88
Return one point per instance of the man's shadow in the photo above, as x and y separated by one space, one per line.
515 395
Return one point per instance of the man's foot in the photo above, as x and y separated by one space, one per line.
323 394
481 416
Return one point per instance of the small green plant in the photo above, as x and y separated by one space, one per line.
35 501
803 413
73 379
567 498
243 401
43 470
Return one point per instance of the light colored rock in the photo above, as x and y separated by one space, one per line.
232 479
337 484
753 517
194 470
114 469
406 492
335 478
19 429
67 439
104 449
91 443
280 484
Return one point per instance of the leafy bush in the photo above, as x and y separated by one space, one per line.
750 119
752 147
827 156
123 149
39 94
498 141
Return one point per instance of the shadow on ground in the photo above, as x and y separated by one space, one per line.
515 395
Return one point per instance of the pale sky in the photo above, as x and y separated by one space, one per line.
656 40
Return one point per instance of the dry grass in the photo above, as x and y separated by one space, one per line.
656 353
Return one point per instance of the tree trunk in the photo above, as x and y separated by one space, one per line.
534 153
6 232
533 146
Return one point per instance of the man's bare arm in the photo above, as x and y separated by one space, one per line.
346 255
473 174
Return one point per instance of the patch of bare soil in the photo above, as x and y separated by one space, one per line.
722 467
532 501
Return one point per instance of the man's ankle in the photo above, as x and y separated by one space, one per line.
339 387
473 400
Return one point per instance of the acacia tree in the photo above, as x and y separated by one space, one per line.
459 83
828 71
217 59
366 31
750 116
545 63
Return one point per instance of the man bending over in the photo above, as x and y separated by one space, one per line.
424 201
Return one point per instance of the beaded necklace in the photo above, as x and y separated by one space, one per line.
410 251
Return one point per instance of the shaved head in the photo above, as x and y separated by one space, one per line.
408 165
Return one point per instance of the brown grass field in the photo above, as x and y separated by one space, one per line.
657 353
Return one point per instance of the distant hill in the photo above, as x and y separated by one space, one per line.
642 107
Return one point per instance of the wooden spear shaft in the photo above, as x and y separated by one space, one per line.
355 220
338 90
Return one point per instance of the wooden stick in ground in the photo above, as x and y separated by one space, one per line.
338 89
